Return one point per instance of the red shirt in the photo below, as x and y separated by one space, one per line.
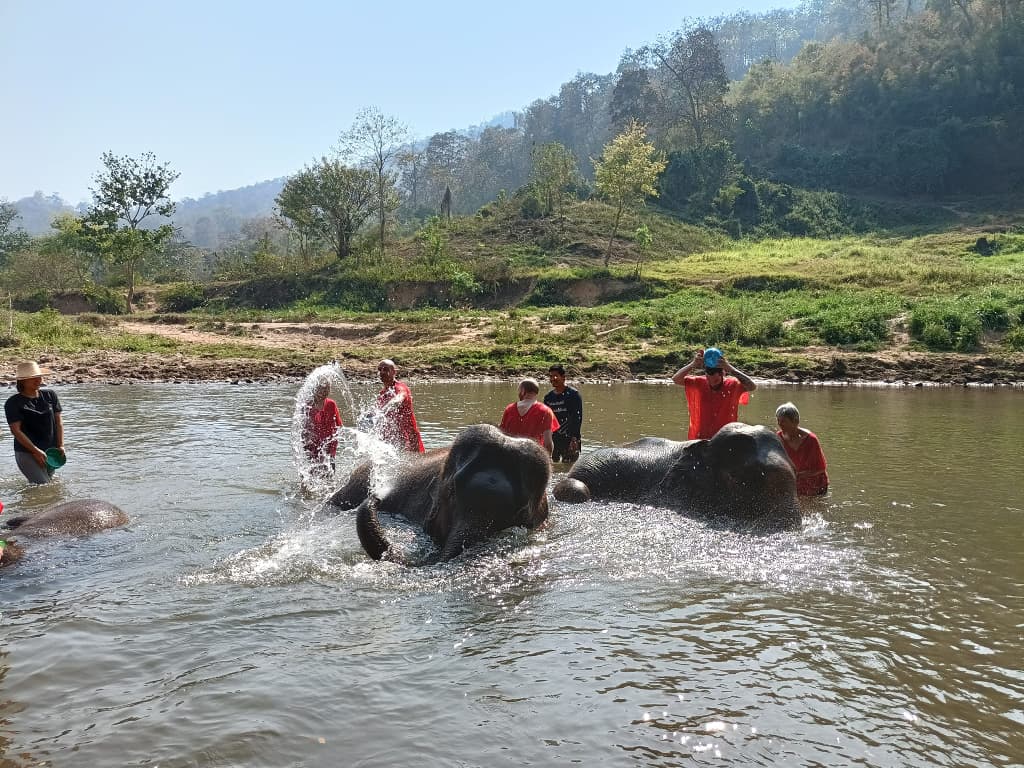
808 456
533 424
711 409
399 427
321 428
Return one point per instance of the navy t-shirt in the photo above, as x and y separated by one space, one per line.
37 418
568 408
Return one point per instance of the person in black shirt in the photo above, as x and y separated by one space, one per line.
33 414
568 409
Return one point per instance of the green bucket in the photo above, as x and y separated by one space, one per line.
55 458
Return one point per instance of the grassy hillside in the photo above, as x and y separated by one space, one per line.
498 293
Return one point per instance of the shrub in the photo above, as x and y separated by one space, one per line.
945 325
105 300
1015 339
531 207
994 315
182 298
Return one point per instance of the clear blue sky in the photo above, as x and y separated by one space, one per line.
231 93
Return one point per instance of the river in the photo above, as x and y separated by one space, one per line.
231 625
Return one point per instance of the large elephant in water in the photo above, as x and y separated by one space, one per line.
741 475
485 482
69 518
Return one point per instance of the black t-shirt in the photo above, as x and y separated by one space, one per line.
568 407
37 418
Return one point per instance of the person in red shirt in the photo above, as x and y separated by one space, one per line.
528 418
398 422
713 399
804 450
320 438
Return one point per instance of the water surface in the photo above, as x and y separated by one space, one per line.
230 625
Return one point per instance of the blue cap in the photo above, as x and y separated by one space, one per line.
712 357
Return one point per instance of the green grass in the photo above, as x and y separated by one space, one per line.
758 299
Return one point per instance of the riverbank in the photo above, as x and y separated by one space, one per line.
288 351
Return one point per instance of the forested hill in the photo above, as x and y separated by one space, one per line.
880 99
219 218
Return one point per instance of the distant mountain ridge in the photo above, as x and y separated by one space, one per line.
216 219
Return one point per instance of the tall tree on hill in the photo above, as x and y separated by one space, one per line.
444 159
692 83
410 163
495 161
626 172
329 201
128 192
633 97
375 139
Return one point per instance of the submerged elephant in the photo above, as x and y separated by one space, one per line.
741 475
485 482
69 518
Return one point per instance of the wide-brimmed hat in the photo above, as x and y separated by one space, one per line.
29 370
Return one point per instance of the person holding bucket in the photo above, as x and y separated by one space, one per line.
34 416
713 399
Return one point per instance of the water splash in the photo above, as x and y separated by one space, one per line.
361 438
316 470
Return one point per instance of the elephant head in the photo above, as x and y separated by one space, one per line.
742 473
485 482
489 482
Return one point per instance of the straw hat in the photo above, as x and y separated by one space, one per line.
29 370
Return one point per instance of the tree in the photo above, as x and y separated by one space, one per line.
626 172
375 139
331 201
12 238
411 164
554 169
633 97
130 191
444 161
693 81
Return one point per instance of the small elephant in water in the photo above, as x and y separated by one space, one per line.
485 482
741 475
69 518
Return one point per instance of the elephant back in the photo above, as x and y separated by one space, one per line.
626 473
70 518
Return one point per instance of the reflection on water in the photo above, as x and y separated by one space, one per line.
233 624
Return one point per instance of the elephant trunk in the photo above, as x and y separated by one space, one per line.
371 536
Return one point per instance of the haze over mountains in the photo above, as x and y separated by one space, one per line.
215 218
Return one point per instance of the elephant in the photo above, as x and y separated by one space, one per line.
741 476
69 518
483 483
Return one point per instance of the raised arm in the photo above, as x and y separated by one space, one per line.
682 373
746 381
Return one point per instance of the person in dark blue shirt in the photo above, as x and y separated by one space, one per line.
568 409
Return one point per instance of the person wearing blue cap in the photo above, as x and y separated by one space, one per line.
713 399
